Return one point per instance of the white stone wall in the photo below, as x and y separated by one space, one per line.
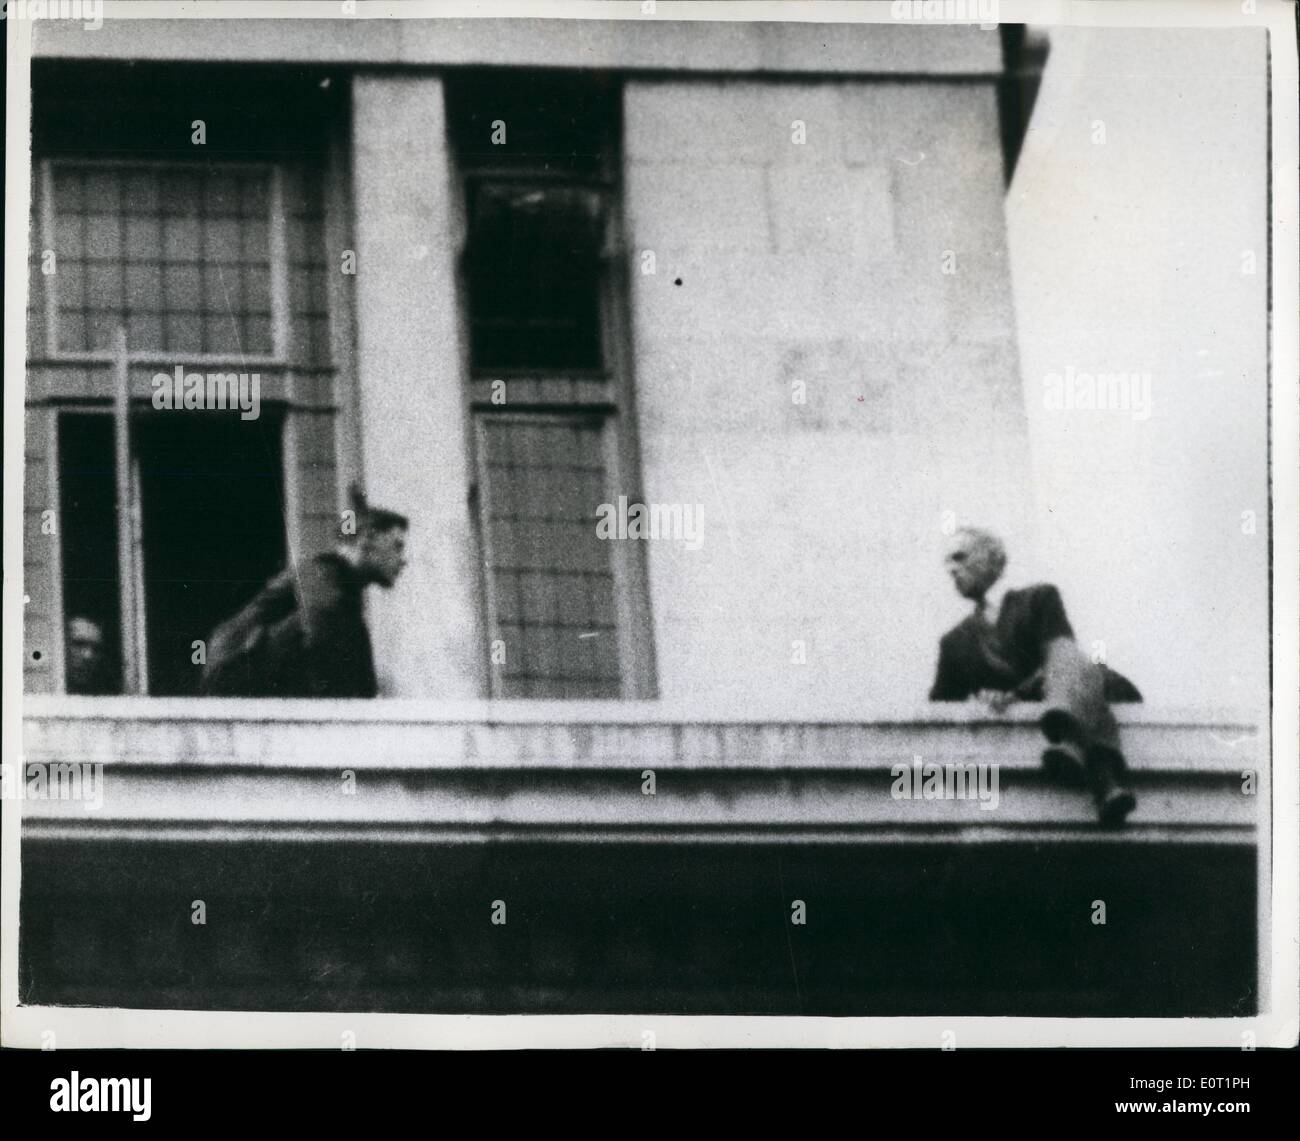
821 263
1138 223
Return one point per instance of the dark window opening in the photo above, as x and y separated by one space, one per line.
539 157
533 274
88 549
212 523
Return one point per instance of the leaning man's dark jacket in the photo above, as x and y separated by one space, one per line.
323 650
1021 653
303 635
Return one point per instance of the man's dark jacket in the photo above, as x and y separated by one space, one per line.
303 635
1031 652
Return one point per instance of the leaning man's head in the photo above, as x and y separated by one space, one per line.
382 546
975 561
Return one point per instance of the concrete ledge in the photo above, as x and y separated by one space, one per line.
598 735
719 43
308 771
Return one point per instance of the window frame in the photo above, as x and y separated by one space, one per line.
614 407
619 556
279 265
340 402
609 192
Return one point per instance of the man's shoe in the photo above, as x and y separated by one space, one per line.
1114 799
1114 807
1064 764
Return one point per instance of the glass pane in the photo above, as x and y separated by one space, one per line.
534 276
104 287
103 236
552 577
182 257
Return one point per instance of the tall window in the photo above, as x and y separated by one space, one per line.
553 440
152 253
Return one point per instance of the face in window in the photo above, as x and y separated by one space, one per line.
974 563
88 670
383 555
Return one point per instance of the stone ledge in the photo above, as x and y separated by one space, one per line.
433 775
711 45
587 735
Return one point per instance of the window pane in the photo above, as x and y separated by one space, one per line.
144 287
70 237
103 236
141 192
551 577
101 327
104 287
181 242
258 336
221 288
220 335
145 330
184 333
143 238
534 276
70 280
181 288
72 332
221 239
179 257
67 192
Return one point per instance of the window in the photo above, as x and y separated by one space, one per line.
553 582
179 255
548 315
547 353
88 537
150 254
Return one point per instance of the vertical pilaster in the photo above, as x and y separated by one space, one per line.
427 630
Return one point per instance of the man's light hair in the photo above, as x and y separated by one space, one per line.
990 542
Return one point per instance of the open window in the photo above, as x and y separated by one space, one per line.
205 529
153 256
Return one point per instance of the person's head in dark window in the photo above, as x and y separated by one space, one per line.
88 667
975 561
377 551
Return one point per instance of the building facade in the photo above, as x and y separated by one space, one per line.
516 278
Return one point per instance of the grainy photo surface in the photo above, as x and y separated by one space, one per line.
663 514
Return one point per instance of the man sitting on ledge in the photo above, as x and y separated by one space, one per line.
1018 645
